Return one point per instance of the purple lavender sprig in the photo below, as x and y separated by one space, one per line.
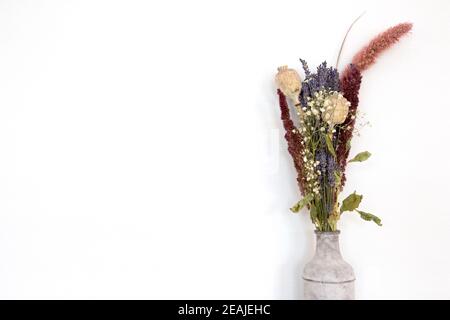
325 78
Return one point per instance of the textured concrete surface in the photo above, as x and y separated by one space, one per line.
327 276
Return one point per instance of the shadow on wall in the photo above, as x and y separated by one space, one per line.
290 284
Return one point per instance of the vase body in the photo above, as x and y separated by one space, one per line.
327 276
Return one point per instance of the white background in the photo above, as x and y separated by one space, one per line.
142 154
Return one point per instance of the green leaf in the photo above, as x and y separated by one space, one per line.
362 156
330 145
299 205
337 176
369 217
351 202
348 145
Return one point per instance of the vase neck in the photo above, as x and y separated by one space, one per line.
327 245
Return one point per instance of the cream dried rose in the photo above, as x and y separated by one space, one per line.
336 108
289 82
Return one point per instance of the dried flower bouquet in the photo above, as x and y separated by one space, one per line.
326 104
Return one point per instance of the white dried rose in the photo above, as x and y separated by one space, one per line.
289 82
336 108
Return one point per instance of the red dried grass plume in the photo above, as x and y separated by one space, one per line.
293 138
351 82
368 55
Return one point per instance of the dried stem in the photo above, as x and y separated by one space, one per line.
345 38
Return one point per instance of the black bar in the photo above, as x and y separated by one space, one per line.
218 309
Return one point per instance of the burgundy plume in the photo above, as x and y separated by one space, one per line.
293 138
350 84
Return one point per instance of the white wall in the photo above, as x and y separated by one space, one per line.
141 151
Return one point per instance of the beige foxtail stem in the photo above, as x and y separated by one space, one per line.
345 38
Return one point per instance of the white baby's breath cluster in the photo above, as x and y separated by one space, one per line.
315 106
361 122
311 172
